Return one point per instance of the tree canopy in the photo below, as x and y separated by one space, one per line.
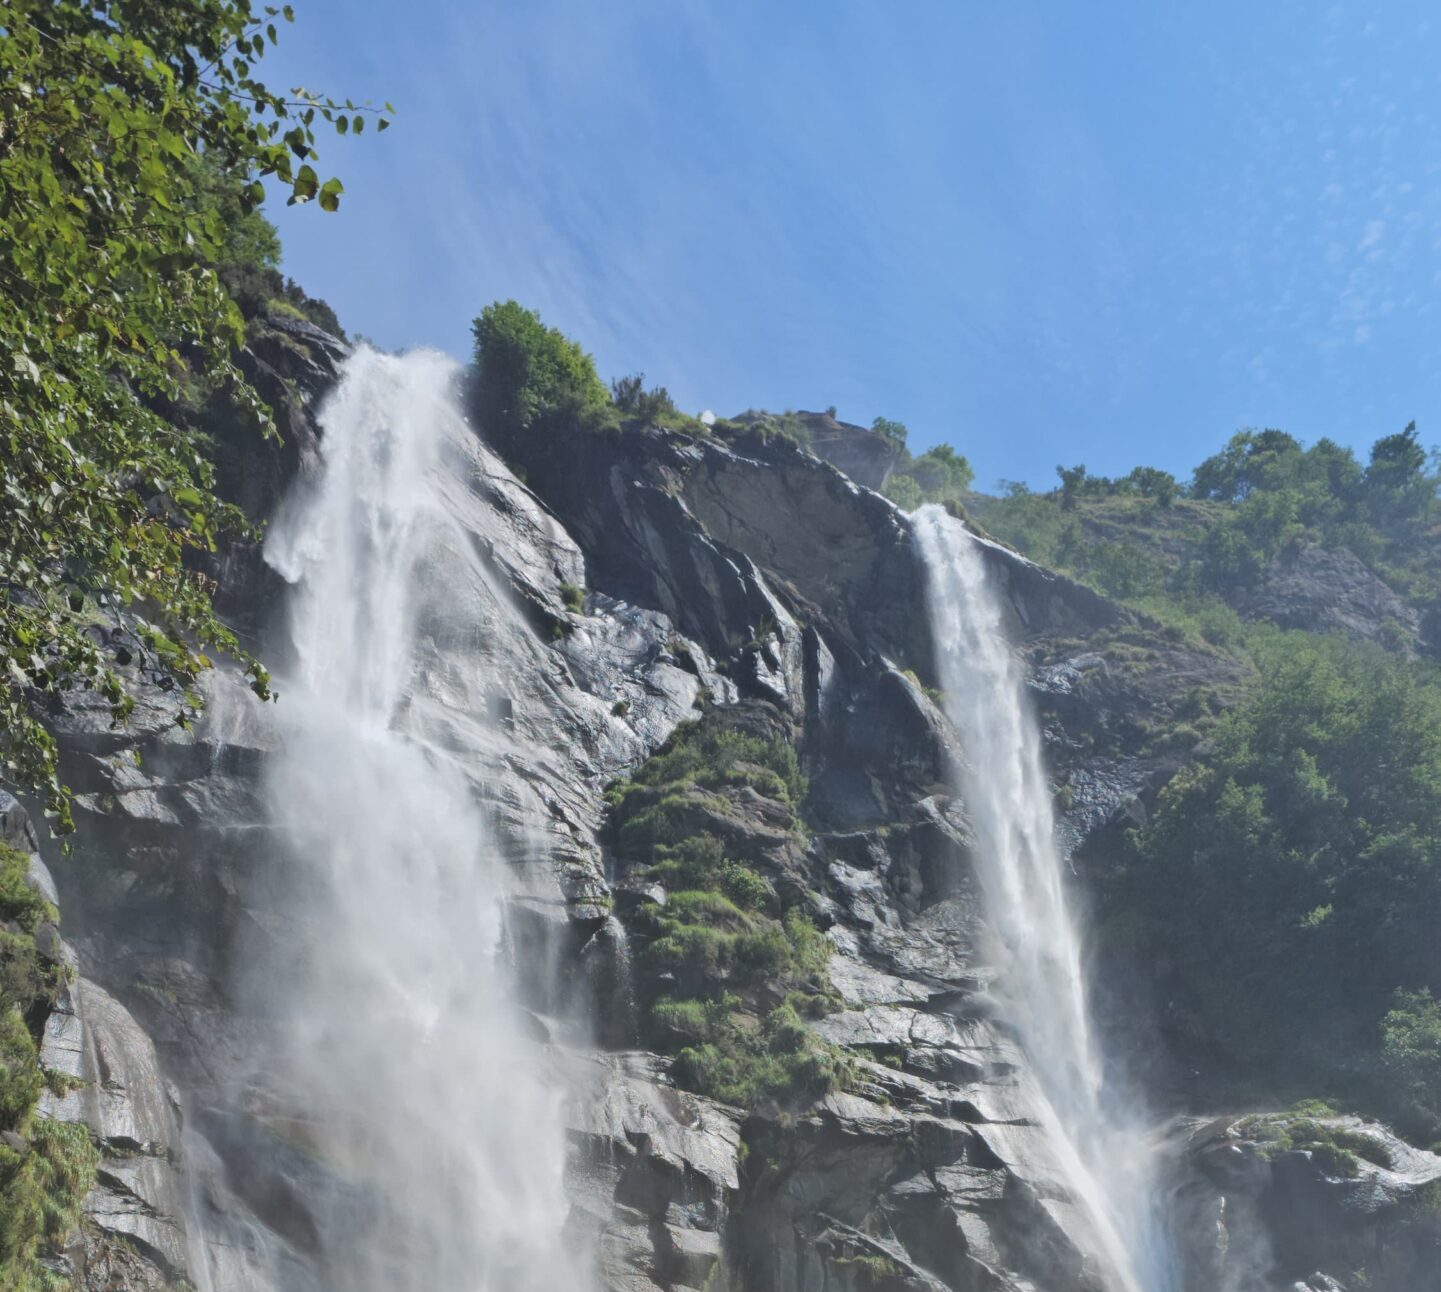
523 368
118 121
940 474
1300 862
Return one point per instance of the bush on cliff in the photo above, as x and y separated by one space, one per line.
524 370
1264 493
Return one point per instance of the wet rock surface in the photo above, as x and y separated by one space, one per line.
1257 1214
631 583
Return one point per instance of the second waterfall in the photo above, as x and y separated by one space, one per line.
1041 992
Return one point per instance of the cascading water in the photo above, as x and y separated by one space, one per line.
421 1089
1104 1154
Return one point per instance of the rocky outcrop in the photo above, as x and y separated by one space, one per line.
103 1073
865 456
134 1216
628 582
1339 1203
1329 590
291 364
655 1175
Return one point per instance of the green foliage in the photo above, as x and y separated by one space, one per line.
524 370
1302 861
632 398
28 985
1183 555
21 1080
871 1271
41 1191
573 598
41 1187
711 756
1397 483
938 475
720 948
734 1060
895 432
1148 482
117 122
1411 1061
763 426
1337 1150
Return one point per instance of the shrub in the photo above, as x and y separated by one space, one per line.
632 398
939 475
893 431
40 1195
1411 1061
712 756
523 369
781 1060
719 948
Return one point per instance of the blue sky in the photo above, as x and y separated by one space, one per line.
1046 232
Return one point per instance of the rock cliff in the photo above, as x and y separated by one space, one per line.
640 580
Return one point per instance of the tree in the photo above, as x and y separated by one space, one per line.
1150 482
1251 460
1411 1060
1073 483
1396 482
1301 860
523 368
893 431
114 117
632 398
939 475
942 473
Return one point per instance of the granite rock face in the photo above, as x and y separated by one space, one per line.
866 456
1326 590
629 582
1258 1214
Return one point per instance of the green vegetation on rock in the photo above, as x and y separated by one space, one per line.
734 970
1299 862
43 1183
525 371
1337 1150
1143 538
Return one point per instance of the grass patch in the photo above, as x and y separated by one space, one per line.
871 1271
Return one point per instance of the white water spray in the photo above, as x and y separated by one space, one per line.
1041 992
423 1092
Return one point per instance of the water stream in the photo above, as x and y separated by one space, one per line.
1104 1152
426 1091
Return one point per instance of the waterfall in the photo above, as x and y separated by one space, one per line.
1104 1153
423 1090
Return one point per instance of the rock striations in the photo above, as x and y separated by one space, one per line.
649 578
